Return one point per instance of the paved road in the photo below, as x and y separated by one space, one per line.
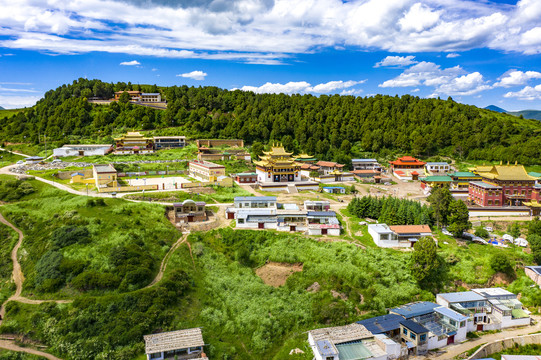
457 349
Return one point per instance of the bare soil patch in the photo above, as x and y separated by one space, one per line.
275 274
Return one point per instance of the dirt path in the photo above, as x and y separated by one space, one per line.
455 350
18 276
165 260
10 345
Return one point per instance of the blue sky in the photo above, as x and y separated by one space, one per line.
479 52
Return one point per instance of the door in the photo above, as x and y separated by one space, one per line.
323 231
479 327
190 218
261 225
81 153
292 228
230 215
450 339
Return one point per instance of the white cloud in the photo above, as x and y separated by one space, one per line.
397 61
517 77
130 63
295 87
195 75
266 31
527 93
154 69
450 81
452 55
14 101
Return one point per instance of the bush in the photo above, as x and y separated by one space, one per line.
499 262
92 280
48 268
481 232
68 235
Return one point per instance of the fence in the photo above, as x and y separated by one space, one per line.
144 173
127 188
500 345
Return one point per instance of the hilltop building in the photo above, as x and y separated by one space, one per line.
205 170
83 150
169 142
277 166
134 143
395 236
189 211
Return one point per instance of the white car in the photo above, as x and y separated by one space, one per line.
20 162
56 161
446 232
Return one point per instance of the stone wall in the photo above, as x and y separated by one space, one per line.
500 345
220 142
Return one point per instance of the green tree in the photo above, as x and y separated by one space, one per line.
424 262
481 232
440 198
513 229
124 98
535 245
534 227
458 218
257 150
499 262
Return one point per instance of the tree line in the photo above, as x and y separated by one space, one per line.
329 127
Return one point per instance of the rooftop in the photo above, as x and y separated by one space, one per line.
464 296
189 201
104 168
255 198
414 326
415 309
484 185
463 174
364 160
329 164
169 137
87 145
341 334
451 314
321 213
173 340
410 229
207 164
380 228
504 172
438 179
535 269
437 163
382 324
493 292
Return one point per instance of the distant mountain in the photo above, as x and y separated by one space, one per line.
1 108
495 108
527 114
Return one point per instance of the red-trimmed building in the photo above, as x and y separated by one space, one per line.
246 178
502 185
407 168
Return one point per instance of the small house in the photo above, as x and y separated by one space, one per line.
366 164
151 97
470 304
205 170
415 336
334 189
323 223
83 150
190 211
327 167
104 175
33 160
181 344
246 178
436 168
397 235
317 205
169 142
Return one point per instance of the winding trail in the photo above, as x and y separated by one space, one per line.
165 261
11 346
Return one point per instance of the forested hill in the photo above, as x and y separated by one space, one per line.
326 126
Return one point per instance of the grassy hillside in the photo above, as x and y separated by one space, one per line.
4 113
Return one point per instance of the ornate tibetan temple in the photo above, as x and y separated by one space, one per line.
277 166
134 143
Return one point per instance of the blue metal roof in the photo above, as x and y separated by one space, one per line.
326 348
321 213
463 296
535 269
415 309
382 324
333 187
255 198
413 326
451 314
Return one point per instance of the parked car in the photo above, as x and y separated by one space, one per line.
20 162
446 232
56 161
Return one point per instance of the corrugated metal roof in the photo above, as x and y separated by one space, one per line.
535 269
382 324
463 296
413 326
255 198
415 309
321 213
451 314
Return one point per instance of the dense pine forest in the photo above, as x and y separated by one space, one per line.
326 126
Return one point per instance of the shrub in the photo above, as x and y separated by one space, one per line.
92 280
499 262
481 232
48 268
68 235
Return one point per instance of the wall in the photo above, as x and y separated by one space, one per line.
500 345
66 175
127 188
220 142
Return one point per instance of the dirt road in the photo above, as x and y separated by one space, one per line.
10 345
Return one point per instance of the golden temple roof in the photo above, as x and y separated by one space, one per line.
503 172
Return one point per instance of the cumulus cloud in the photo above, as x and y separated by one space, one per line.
295 87
195 75
527 93
267 31
452 55
450 81
15 101
397 61
130 63
516 77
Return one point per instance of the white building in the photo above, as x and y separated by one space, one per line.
328 343
366 164
396 236
166 142
184 344
83 150
437 168
487 309
151 97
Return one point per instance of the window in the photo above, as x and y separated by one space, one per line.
462 324
423 337
156 355
490 202
405 331
452 322
413 336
